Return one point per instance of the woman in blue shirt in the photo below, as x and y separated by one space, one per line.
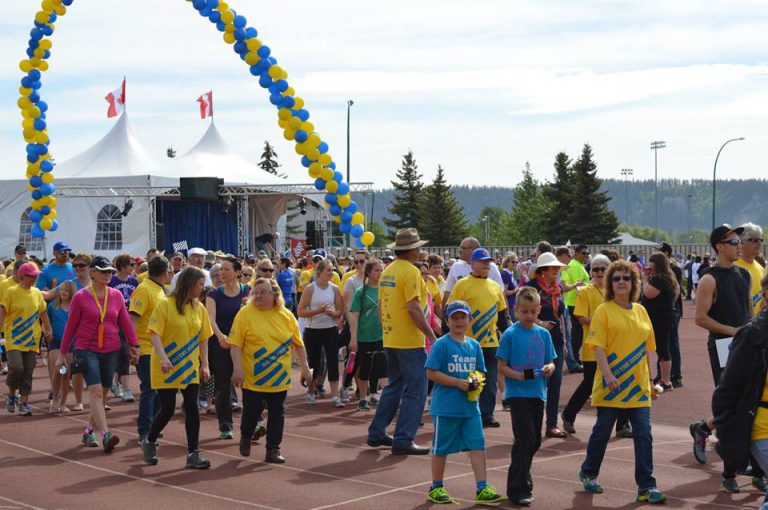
58 312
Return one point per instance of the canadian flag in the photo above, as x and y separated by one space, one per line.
116 100
206 105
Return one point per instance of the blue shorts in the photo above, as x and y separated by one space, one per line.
454 435
99 367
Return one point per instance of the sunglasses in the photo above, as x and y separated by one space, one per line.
247 274
756 240
625 278
362 261
598 269
731 242
79 266
266 270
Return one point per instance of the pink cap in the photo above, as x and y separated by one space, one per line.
28 269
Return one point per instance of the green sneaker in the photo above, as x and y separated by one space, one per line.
591 485
226 434
488 494
439 495
652 496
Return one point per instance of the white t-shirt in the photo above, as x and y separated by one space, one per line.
695 272
460 269
208 282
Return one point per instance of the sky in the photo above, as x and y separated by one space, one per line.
479 88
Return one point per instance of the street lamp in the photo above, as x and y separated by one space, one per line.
656 145
485 219
690 233
349 106
714 178
627 173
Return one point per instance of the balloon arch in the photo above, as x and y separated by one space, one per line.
292 117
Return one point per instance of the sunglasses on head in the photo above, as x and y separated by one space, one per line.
626 278
731 242
599 269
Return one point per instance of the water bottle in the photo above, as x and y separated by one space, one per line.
350 367
63 369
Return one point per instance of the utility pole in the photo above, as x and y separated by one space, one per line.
656 145
626 172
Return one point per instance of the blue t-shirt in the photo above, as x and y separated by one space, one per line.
58 318
52 275
285 280
457 360
524 348
125 286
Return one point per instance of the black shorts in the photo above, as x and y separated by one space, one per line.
714 362
371 360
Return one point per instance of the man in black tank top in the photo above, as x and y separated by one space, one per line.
723 305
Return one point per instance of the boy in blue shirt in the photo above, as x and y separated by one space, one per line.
525 357
458 425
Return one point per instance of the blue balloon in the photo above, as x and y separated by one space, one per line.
35 216
199 4
39 124
323 147
239 34
335 210
352 207
215 16
43 106
264 51
47 189
221 26
357 230
47 54
346 216
332 165
35 181
331 198
301 136
34 97
212 4
36 85
343 188
275 99
251 33
32 158
240 21
305 161
47 30
36 34
55 226
36 195
302 114
67 2
288 102
205 12
319 184
30 51
36 231
265 80
337 176
359 243
240 47
281 85
255 70
263 65
45 210
46 166
52 17
344 228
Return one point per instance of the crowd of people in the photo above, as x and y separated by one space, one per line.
393 334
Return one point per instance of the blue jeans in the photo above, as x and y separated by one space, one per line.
640 418
553 385
407 390
488 395
570 360
760 454
148 399
674 349
99 367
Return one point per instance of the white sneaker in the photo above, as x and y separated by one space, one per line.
336 402
311 399
345 395
117 391
128 396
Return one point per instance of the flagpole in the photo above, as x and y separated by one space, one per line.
211 106
125 98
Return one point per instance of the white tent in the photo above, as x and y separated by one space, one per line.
628 239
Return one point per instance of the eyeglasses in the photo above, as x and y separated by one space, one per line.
465 247
79 266
598 269
513 262
731 242
756 240
360 261
266 270
625 278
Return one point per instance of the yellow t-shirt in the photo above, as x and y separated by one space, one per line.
756 273
305 278
5 285
626 336
142 276
587 300
23 309
349 274
401 283
486 299
760 425
143 302
181 336
434 291
265 337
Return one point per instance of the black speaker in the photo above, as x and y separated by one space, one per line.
200 188
311 236
160 234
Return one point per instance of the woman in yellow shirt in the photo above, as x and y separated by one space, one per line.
262 335
621 335
180 330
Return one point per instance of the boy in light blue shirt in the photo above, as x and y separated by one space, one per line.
458 425
525 356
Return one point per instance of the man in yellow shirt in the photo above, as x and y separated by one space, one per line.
143 302
489 314
402 305
751 247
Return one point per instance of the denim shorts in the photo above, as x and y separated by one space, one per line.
99 367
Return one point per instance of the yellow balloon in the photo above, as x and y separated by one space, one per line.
327 174
284 75
313 154
26 114
46 223
47 6
52 215
230 28
299 103
275 71
28 123
253 44
304 148
315 171
337 220
25 91
289 92
367 238
284 113
229 38
283 123
43 66
227 16
332 186
24 103
46 44
289 134
30 188
252 58
344 200
46 200
52 201
358 218
36 205
42 17
29 134
47 177
308 127
39 52
294 122
223 6
34 112
313 140
324 159
61 10
300 149
41 137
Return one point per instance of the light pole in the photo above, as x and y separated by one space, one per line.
690 233
626 172
714 178
485 219
656 145
349 106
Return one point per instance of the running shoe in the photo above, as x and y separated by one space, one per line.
699 433
337 402
652 496
10 403
116 390
311 399
488 495
128 396
363 405
568 426
24 409
195 460
202 404
109 441
261 431
759 483
439 495
677 382
625 431
591 484
226 434
344 395
149 452
729 485
274 457
89 440
374 399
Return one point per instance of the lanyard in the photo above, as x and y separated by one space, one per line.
102 313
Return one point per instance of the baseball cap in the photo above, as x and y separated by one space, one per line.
457 306
139 261
480 254
61 246
100 263
721 232
250 256
319 253
210 256
20 249
28 269
178 254
665 248
196 251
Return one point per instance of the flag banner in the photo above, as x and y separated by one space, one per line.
298 247
180 246
116 100
206 105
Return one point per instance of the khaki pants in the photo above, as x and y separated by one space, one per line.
21 366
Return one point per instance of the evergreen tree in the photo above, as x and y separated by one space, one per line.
497 217
441 218
405 202
381 239
525 223
268 161
592 221
560 193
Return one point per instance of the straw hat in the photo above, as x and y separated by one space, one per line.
407 239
